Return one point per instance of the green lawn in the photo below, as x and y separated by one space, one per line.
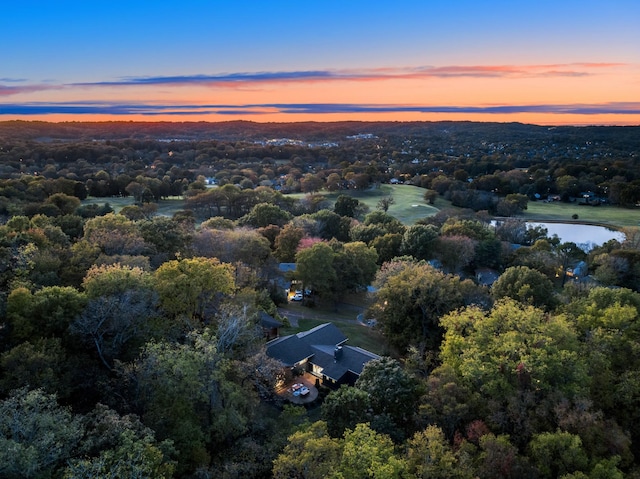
165 207
409 205
344 317
604 215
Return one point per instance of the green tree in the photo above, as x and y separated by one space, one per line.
429 456
190 393
332 225
265 214
448 401
368 454
455 252
166 236
344 409
37 435
525 285
355 266
392 391
387 246
132 457
66 204
346 206
419 241
42 364
310 454
315 268
389 223
555 454
189 286
411 298
366 233
45 313
514 347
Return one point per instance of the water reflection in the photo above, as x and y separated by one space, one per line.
585 236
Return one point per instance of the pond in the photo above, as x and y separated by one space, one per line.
585 236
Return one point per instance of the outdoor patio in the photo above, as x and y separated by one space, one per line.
300 390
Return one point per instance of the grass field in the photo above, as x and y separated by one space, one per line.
562 212
165 207
409 205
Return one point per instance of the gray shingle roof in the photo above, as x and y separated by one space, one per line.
319 345
268 321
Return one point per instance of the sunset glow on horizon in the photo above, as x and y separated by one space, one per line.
577 63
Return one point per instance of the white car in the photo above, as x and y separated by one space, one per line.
296 297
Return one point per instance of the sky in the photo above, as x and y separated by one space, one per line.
548 62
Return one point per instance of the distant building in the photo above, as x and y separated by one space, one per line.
486 276
270 325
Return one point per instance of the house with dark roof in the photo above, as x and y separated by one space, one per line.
270 325
322 352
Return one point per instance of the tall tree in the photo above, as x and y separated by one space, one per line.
525 285
286 244
393 393
346 206
190 393
315 268
189 286
37 435
411 298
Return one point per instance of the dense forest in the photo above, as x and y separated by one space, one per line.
131 345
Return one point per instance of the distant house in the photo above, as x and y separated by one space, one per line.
486 276
286 267
581 270
322 352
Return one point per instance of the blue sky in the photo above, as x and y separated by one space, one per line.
492 60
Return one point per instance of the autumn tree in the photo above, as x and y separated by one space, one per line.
516 357
286 243
115 235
